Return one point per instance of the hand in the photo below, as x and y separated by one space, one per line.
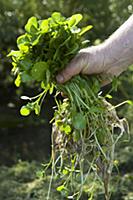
92 60
88 61
108 59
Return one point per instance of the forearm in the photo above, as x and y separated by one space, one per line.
119 48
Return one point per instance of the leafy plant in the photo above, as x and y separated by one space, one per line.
47 46
83 138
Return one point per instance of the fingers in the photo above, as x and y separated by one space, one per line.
73 68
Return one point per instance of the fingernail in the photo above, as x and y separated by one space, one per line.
59 78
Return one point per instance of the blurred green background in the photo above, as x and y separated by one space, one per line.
25 142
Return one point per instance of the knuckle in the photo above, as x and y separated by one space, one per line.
66 73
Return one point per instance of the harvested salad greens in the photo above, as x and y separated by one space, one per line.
83 136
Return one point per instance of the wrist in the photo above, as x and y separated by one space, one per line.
119 48
117 57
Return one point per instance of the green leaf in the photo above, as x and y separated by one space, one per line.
23 48
15 53
51 22
24 111
85 29
18 80
66 41
14 67
43 86
36 40
74 20
47 76
57 17
85 42
26 64
44 26
130 102
38 71
31 106
32 25
37 109
79 121
67 129
51 89
40 173
108 96
60 188
25 77
65 171
23 40
56 55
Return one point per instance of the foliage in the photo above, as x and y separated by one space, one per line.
22 181
46 47
84 123
105 16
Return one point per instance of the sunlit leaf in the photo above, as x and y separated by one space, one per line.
65 171
43 86
57 17
14 67
24 111
37 109
36 40
85 29
130 102
51 88
23 42
67 129
74 20
23 48
108 96
44 26
18 80
14 53
60 188
31 25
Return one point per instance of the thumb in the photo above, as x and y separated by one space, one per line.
73 68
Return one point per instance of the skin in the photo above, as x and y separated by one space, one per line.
108 59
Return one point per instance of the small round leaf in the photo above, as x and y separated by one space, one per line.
24 111
79 121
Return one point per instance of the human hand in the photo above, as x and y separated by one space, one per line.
88 61
92 60
108 59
